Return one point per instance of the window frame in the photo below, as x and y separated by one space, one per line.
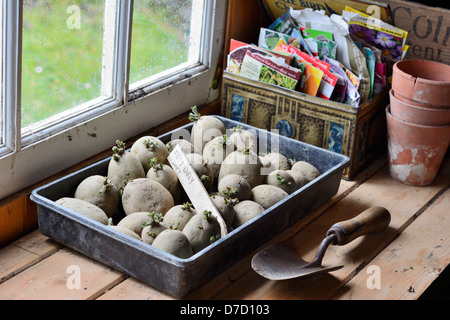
41 154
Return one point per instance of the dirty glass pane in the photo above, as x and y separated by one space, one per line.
162 36
61 56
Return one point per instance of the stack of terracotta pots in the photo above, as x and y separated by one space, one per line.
418 120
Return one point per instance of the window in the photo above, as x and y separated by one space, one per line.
78 75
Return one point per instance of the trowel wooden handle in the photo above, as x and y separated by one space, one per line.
372 220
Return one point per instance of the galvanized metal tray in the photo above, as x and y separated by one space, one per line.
174 276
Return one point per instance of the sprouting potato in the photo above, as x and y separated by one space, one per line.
299 178
205 129
136 221
124 166
216 151
283 180
147 148
166 176
178 216
99 191
185 146
268 195
146 195
243 139
202 230
153 227
245 211
84 208
225 206
275 161
235 186
244 163
174 242
202 168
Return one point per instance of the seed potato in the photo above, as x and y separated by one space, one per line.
202 168
216 151
153 228
136 221
178 216
306 169
244 163
204 129
268 195
225 207
244 139
146 195
147 148
235 186
283 180
202 230
245 211
99 191
185 146
124 166
126 231
84 208
165 175
276 161
174 242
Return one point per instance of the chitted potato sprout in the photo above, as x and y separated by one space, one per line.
146 195
153 227
235 186
204 129
178 216
99 191
148 148
283 180
225 206
124 166
202 230
84 208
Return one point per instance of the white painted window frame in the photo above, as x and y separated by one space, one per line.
121 113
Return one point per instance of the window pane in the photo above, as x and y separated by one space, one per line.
61 56
163 36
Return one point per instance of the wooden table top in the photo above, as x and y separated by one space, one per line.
400 263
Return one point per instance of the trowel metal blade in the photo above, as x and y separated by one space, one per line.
280 262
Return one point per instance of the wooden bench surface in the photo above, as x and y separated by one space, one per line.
400 263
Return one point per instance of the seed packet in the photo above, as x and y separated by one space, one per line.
237 53
389 39
328 81
370 60
270 70
268 39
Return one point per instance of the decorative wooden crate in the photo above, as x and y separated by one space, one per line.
359 133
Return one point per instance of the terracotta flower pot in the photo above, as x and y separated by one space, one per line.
415 152
423 81
417 114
